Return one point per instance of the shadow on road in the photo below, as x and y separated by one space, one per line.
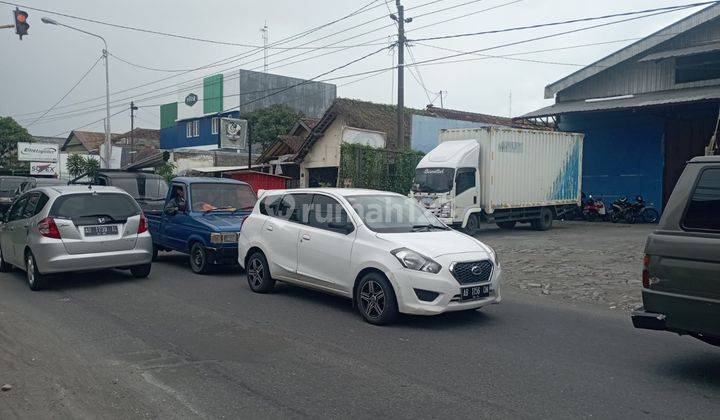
702 368
84 280
181 260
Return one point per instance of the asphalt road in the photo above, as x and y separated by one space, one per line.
178 345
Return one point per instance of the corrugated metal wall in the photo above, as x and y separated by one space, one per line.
633 77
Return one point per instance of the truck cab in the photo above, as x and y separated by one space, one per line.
202 217
446 181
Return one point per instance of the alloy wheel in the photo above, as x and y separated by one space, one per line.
255 272
30 270
372 299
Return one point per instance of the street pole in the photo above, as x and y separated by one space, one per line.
401 77
133 108
108 143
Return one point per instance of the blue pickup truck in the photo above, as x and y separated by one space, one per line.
202 217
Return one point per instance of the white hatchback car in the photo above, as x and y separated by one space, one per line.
381 249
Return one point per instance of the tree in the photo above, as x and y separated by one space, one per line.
268 123
78 165
166 171
10 134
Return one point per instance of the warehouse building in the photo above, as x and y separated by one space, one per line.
645 110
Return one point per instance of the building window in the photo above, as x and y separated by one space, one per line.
215 125
697 67
192 129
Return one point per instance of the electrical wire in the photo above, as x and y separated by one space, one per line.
570 21
363 9
66 93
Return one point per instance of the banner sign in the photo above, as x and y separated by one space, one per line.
43 168
233 133
38 152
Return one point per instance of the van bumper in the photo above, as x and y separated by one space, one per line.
648 320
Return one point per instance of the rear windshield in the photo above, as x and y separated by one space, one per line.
115 207
10 184
141 187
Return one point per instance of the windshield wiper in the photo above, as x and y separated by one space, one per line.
428 227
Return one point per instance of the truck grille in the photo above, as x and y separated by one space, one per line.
472 272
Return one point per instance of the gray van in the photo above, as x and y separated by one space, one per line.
681 273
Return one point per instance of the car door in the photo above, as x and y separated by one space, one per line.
281 233
14 232
175 227
324 248
465 191
20 233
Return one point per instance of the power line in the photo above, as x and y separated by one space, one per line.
247 54
184 37
88 124
570 21
67 93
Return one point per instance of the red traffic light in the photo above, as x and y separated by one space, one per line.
21 25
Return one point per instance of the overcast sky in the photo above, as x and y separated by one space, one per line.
39 70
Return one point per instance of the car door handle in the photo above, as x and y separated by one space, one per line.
269 227
305 237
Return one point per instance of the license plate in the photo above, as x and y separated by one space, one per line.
100 230
474 292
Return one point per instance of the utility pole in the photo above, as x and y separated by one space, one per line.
401 21
133 108
265 37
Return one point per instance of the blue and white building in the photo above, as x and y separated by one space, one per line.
193 121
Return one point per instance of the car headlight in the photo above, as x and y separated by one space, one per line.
493 255
445 210
416 261
223 238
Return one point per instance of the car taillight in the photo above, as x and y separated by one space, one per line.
646 271
142 226
48 228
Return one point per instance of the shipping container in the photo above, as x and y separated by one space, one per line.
500 175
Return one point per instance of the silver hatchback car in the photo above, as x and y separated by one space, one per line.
74 228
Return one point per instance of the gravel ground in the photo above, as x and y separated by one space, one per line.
575 261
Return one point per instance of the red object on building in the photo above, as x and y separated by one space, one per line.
259 180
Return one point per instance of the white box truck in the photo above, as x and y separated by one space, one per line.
500 175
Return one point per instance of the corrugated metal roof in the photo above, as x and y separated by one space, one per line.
692 21
680 52
637 101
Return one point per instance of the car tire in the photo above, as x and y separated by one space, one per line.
473 225
375 299
198 259
507 225
155 253
5 267
36 281
257 272
141 271
545 221
615 217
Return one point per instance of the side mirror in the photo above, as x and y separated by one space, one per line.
344 227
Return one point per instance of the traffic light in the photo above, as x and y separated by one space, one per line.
21 25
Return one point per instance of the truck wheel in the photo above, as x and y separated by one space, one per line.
198 259
545 221
155 253
473 225
507 225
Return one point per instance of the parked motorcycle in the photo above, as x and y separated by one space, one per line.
622 210
594 209
644 211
